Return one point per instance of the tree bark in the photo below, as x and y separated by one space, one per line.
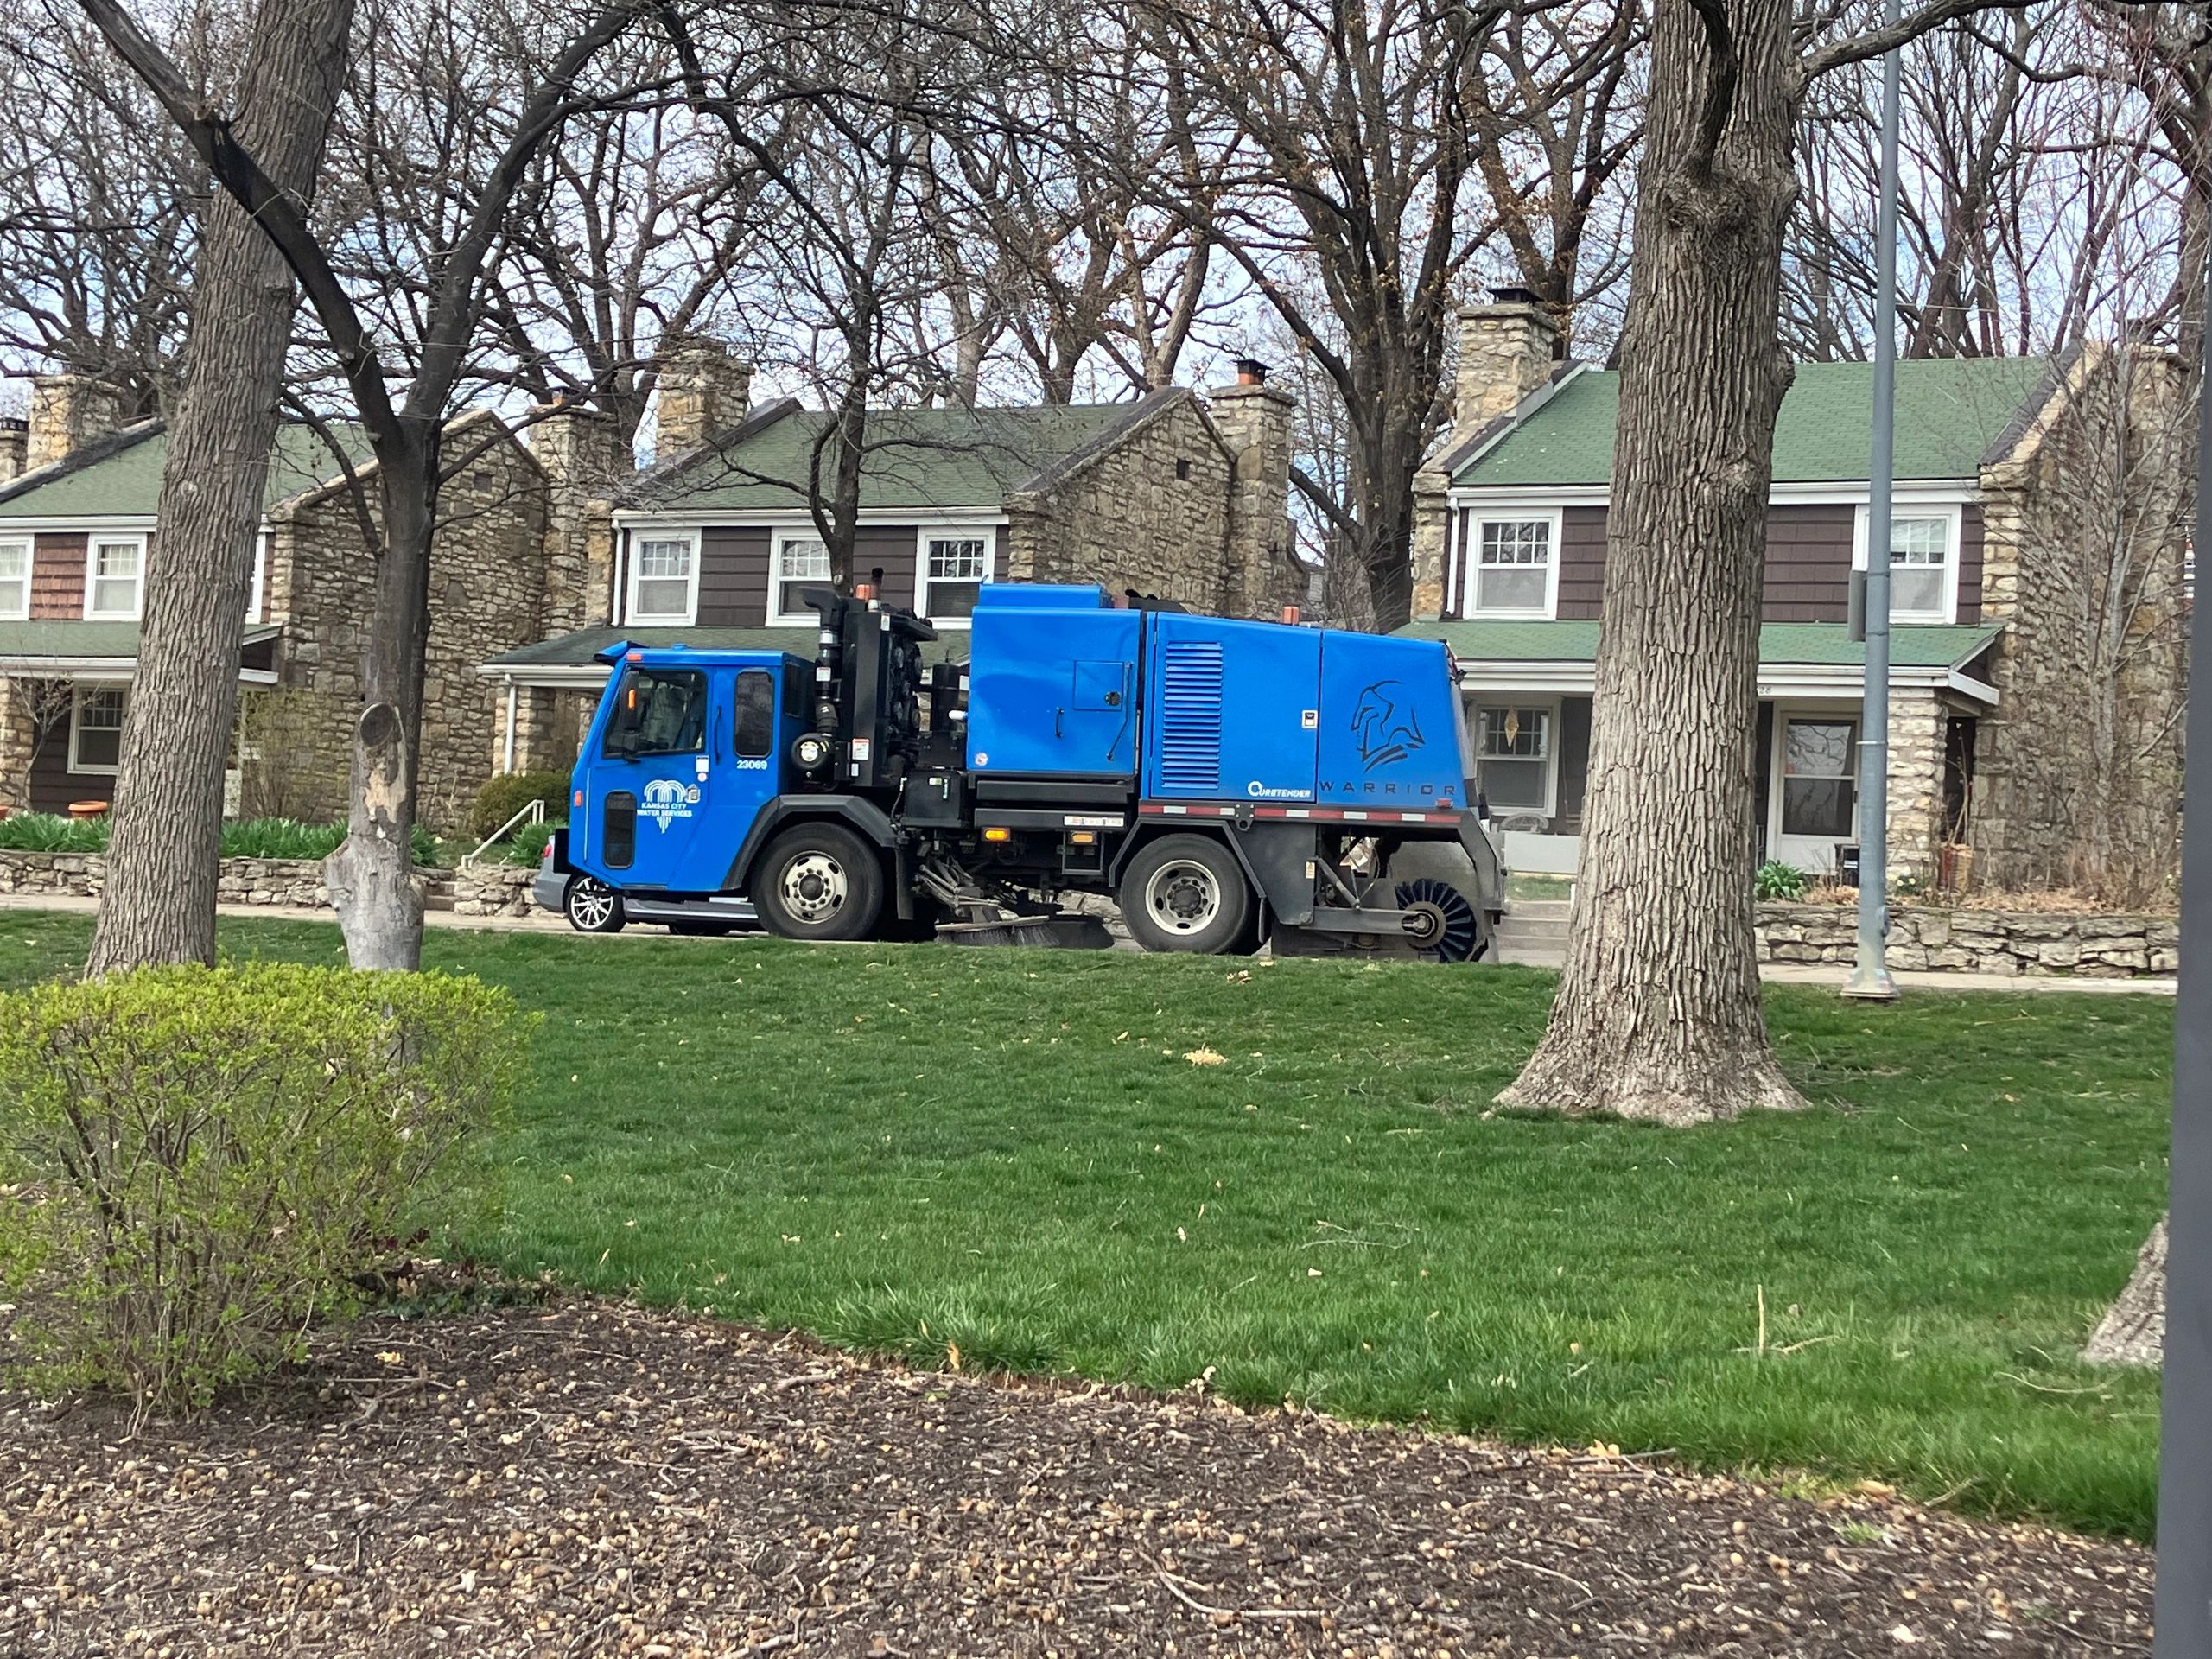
1658 1015
159 902
2133 1330
372 877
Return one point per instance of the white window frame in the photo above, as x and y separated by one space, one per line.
254 592
777 539
1467 564
93 543
1954 515
29 545
987 534
1550 708
635 579
77 694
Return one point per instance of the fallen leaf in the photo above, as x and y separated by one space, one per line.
1204 1056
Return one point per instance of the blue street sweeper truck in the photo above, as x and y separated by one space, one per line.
1225 783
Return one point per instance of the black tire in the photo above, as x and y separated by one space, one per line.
592 906
819 881
1186 892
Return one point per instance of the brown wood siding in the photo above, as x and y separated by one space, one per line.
1970 540
1581 564
732 577
53 786
58 577
889 549
1808 564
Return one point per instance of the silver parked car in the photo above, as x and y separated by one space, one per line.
592 906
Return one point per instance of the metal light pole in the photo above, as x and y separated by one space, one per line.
2184 1609
1870 974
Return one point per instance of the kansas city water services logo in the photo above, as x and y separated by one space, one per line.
1386 732
666 798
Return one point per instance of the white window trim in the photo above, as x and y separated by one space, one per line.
1777 763
93 543
636 560
989 536
1463 581
253 597
76 714
776 539
1953 514
30 545
1550 706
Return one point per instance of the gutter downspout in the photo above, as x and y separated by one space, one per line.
507 751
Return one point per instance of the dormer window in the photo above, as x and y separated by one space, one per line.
1512 566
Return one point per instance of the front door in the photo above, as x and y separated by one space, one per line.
654 783
1814 800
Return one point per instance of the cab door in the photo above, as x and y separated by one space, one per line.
744 753
653 779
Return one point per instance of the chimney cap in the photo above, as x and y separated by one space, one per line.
14 423
1513 294
1250 371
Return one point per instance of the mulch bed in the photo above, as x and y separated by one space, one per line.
586 1477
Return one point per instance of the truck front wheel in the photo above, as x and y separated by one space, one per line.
1185 892
819 881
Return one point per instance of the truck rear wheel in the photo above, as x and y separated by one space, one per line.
1185 892
819 881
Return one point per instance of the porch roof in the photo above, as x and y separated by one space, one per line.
58 648
1808 645
573 658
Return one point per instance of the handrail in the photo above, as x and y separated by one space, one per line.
533 811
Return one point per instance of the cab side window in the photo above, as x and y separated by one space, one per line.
756 713
660 711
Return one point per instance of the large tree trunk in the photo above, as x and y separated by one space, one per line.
159 902
372 875
2133 1330
1658 1015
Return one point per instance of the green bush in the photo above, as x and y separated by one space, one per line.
49 832
204 1161
527 845
1779 880
504 795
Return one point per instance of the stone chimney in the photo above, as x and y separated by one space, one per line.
15 444
584 457
703 389
1253 420
1507 349
68 412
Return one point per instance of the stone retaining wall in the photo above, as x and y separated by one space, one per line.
243 881
493 890
1980 941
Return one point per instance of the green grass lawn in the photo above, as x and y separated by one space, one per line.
916 1148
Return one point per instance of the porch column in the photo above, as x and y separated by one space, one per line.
1916 783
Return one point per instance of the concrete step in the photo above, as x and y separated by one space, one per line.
437 890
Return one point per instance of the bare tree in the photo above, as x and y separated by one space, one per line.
165 847
485 165
1658 1015
98 208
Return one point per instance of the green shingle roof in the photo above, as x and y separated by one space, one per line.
578 649
117 640
1950 413
1818 644
127 482
915 457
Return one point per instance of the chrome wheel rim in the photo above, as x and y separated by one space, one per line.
814 888
1182 897
591 905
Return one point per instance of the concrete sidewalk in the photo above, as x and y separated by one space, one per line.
1776 973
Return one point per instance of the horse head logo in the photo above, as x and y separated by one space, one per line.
1386 732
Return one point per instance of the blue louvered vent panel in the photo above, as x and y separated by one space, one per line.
1190 717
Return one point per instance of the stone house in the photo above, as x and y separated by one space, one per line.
2035 678
1170 494
75 526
